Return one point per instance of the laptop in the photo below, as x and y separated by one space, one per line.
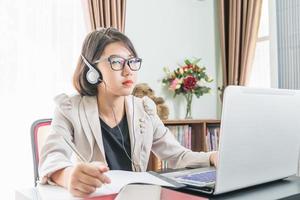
259 141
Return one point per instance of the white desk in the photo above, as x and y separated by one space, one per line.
44 192
285 189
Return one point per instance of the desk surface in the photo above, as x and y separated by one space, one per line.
284 189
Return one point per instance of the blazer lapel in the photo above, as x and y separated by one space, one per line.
90 109
133 116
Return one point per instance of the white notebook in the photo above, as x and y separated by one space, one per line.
119 179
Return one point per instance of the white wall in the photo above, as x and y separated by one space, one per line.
165 32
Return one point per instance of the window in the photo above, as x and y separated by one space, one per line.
261 71
40 45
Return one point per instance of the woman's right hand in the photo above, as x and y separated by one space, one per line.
84 178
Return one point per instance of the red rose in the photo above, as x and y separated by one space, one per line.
189 83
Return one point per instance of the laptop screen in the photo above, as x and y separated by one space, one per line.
259 136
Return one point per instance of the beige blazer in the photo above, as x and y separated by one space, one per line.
76 118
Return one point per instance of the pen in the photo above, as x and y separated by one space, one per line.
74 150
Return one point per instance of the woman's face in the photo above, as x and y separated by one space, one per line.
118 82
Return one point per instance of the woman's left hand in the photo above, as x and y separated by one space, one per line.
213 159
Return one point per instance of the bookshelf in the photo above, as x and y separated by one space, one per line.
203 136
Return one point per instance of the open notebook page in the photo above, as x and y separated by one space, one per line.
121 178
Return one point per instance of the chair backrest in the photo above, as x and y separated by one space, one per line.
39 132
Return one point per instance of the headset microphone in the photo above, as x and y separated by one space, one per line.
93 75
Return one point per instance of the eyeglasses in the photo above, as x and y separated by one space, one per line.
117 63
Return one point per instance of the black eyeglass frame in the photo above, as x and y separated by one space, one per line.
125 61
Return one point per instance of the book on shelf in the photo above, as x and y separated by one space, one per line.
182 133
212 138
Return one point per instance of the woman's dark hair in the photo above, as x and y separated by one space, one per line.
92 49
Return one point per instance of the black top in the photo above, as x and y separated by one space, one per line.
113 145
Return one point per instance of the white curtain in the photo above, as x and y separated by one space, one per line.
40 41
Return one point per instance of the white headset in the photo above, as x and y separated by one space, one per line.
93 75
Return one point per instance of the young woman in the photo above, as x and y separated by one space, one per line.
109 127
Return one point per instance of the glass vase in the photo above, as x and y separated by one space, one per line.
188 112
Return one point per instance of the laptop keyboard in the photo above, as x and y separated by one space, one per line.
204 177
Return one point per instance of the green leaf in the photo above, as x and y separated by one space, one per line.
196 61
207 79
187 62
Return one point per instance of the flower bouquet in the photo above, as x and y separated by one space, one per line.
189 80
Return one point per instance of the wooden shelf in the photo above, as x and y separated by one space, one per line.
199 128
190 121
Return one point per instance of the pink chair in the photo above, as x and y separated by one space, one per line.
39 132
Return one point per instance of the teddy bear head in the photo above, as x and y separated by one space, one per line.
142 90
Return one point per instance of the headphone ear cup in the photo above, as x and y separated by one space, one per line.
94 76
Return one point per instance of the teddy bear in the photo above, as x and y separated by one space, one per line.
143 89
